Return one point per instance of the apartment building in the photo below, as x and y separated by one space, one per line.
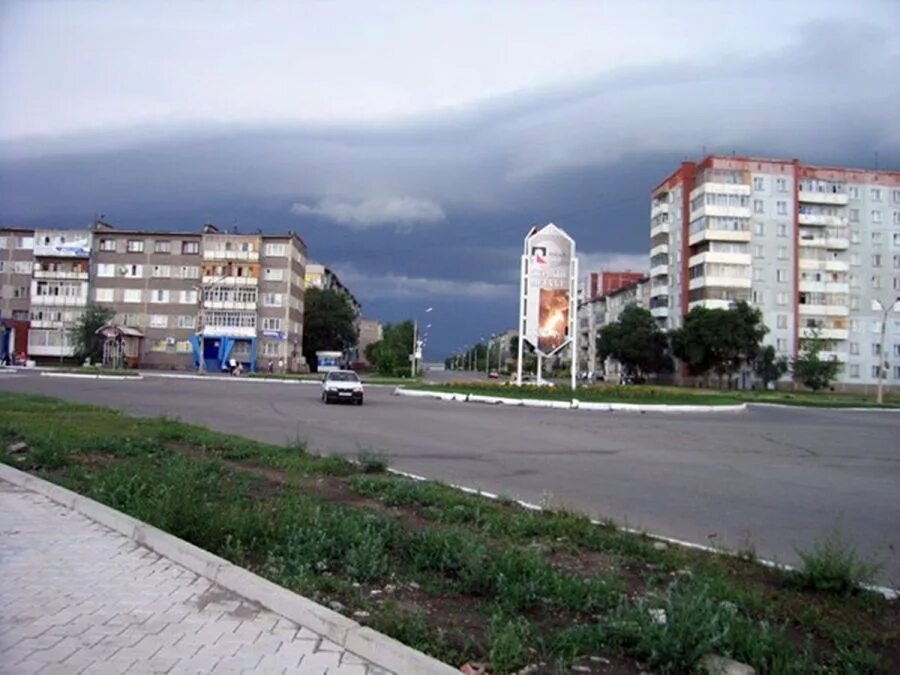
370 331
16 267
60 282
319 276
151 280
816 249
597 284
602 310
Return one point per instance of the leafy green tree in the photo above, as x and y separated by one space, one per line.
89 345
328 323
719 340
769 366
390 355
636 342
810 368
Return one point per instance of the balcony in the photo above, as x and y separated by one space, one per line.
740 189
821 219
51 274
658 208
719 235
710 304
832 243
230 281
718 257
824 287
656 250
824 310
826 333
723 211
662 228
221 254
57 301
831 198
658 291
719 282
660 312
659 271
230 305
827 265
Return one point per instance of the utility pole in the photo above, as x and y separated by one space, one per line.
882 356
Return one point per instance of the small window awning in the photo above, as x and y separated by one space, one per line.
114 331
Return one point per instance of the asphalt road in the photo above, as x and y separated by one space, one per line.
774 478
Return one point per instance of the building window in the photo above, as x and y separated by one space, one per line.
876 260
876 216
781 184
876 237
876 349
875 193
276 250
23 267
854 302
759 251
759 183
876 372
162 271
108 245
188 297
758 206
273 274
106 270
159 321
854 215
757 274
854 348
162 246
781 344
190 272
782 252
759 228
26 243
271 323
187 321
854 259
896 217
135 246
272 299
782 320
158 346
273 349
781 276
131 295
782 208
853 191
103 295
782 229
183 346
876 282
159 295
190 247
782 299
854 370
20 292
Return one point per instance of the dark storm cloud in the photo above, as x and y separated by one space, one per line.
435 206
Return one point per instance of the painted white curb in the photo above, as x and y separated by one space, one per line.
232 378
887 592
362 641
92 376
821 407
574 404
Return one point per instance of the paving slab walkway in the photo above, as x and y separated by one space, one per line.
78 597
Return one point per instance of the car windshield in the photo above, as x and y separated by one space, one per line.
343 377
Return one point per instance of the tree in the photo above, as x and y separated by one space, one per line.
328 323
89 345
390 355
636 342
719 340
769 366
810 368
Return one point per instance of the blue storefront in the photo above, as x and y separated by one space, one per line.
217 352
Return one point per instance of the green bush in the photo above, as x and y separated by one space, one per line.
833 566
509 639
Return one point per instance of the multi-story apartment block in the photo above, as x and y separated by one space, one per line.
370 331
189 299
59 290
597 284
16 268
319 276
816 249
151 280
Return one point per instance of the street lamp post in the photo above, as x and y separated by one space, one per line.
415 345
882 356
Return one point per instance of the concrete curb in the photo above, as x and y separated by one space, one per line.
362 641
231 378
574 404
785 406
92 376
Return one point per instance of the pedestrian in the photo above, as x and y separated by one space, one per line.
271 366
280 365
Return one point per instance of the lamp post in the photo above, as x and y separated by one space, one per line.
416 347
882 356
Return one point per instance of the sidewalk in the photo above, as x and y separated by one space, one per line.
78 597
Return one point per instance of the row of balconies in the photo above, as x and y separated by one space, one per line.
826 265
58 301
222 254
230 281
52 274
833 198
821 219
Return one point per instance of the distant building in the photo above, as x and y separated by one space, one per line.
601 311
598 284
370 332
319 276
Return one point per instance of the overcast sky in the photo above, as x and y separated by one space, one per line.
413 144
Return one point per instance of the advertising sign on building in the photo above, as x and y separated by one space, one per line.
549 290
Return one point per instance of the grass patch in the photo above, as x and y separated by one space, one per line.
458 576
658 395
833 565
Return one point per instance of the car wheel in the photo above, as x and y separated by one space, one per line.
360 401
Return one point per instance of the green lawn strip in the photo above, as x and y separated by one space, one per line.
475 579
94 370
652 395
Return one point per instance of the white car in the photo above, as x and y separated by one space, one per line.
342 385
